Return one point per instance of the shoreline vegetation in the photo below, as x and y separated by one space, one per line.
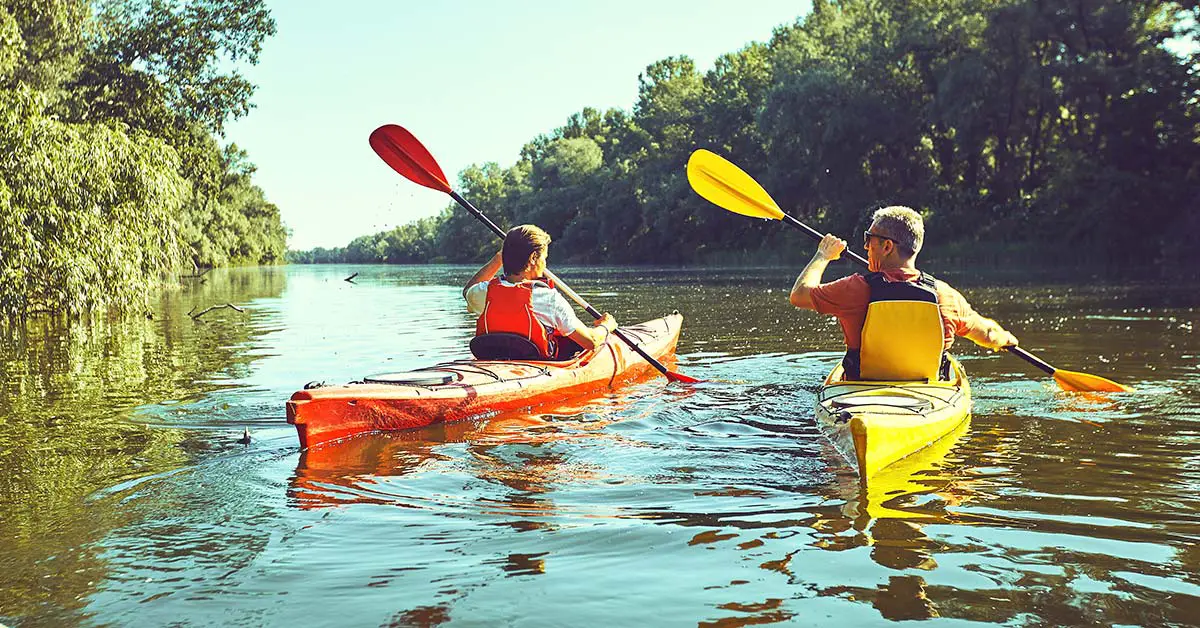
1027 131
113 179
1031 131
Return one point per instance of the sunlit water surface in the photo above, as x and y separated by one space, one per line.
128 500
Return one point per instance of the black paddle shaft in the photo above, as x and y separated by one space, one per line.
816 235
1030 358
478 214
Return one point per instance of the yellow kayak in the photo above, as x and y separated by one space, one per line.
875 424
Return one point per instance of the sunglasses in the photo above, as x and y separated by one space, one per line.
867 235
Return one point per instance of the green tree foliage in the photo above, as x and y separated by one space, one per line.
1061 125
234 224
111 179
87 213
46 37
171 54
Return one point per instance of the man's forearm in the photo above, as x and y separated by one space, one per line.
809 278
990 334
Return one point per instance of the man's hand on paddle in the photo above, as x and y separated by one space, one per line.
607 321
597 335
831 247
1000 338
992 336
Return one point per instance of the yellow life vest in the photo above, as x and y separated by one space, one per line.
902 335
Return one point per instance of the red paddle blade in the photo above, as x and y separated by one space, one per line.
406 155
675 376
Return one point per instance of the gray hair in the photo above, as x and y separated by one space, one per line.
903 225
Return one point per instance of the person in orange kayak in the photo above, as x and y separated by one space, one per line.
523 302
897 321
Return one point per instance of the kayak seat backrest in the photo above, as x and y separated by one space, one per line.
504 346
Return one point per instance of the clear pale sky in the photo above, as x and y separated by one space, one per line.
474 81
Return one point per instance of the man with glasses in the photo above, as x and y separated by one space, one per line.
897 321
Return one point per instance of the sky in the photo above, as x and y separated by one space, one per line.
473 80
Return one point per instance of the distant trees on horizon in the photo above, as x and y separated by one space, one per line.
1044 129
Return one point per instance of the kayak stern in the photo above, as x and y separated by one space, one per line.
875 424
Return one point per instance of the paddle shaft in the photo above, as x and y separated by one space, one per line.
478 214
574 296
1030 358
818 236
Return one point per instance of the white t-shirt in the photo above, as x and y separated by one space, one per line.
549 307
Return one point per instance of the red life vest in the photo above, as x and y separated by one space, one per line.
509 309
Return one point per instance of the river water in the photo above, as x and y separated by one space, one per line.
126 497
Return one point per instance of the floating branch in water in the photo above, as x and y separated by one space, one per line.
211 308
197 273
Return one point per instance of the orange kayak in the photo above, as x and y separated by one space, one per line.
472 389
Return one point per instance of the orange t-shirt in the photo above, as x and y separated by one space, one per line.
848 297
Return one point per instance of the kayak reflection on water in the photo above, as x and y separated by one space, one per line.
351 471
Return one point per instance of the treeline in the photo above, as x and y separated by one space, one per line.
1056 128
112 178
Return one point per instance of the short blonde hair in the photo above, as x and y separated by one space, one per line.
903 225
520 244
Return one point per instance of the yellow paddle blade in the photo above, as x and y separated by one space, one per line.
726 185
1082 382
